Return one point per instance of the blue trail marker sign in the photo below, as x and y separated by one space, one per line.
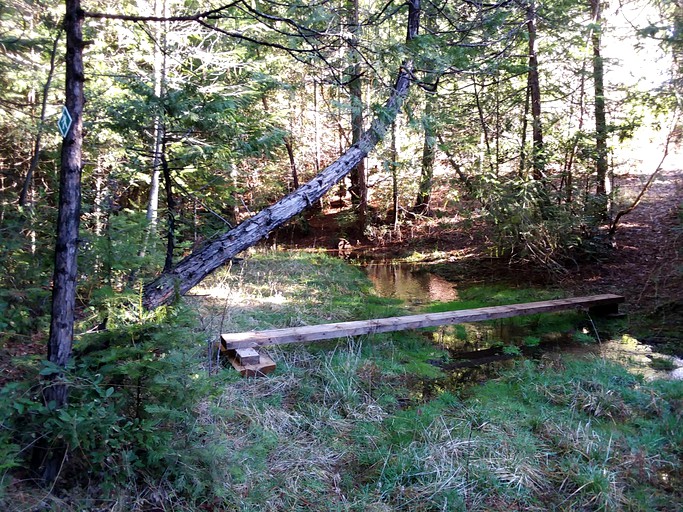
64 122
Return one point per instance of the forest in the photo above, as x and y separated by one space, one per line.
173 170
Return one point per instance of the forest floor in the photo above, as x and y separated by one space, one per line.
643 262
373 423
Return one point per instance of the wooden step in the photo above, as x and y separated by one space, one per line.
264 366
246 356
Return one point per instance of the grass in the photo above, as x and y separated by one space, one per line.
662 363
341 425
338 426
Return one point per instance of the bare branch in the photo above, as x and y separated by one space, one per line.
639 198
212 14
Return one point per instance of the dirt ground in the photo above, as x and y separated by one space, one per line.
647 261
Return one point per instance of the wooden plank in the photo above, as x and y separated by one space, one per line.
309 333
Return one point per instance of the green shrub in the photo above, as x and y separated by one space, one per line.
662 363
529 223
134 402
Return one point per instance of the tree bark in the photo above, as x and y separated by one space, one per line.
525 124
538 157
358 189
159 135
394 177
465 179
600 116
170 206
569 165
316 120
158 132
424 191
485 137
66 247
192 269
292 161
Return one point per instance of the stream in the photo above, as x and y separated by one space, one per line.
478 351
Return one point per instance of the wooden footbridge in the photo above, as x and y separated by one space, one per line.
242 348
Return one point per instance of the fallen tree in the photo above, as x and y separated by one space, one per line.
195 267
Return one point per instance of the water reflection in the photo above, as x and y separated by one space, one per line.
484 344
456 379
479 336
408 282
478 351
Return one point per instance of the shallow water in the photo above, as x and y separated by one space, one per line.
408 282
477 350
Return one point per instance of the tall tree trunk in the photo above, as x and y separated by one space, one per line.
525 125
316 121
292 161
485 141
158 133
394 176
600 117
569 164
538 157
287 141
160 10
170 205
496 160
192 269
66 247
424 191
316 129
359 191
466 180
37 146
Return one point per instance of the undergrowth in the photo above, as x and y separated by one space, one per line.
155 424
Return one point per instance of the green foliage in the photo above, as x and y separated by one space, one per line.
531 341
662 363
527 224
24 284
226 104
344 418
135 396
511 350
583 337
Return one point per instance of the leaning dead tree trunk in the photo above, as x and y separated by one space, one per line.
195 267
